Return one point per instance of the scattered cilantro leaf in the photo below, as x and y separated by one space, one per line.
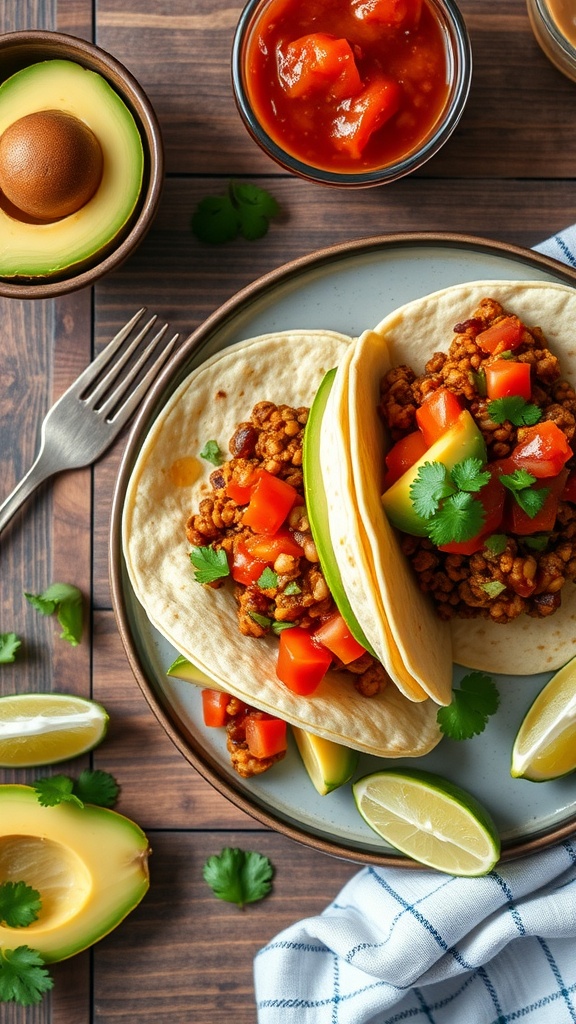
479 381
211 452
55 790
279 627
66 601
431 485
268 579
496 543
209 564
537 541
238 876
469 475
515 409
262 620
246 209
9 644
493 588
520 483
292 588
517 480
96 787
472 704
23 977
460 518
19 904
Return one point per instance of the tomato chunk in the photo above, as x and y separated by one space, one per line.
504 336
439 411
569 492
404 454
492 496
246 568
504 377
365 113
521 523
543 450
267 547
319 63
334 633
403 14
265 735
302 664
270 503
214 704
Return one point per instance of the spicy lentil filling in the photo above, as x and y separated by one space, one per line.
294 591
520 571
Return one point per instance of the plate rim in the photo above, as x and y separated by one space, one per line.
175 729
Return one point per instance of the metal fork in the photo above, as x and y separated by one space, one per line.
90 414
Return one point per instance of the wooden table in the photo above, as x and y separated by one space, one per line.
507 173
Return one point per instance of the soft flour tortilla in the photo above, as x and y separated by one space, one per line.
201 622
410 336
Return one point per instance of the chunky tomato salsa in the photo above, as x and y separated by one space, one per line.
347 85
480 478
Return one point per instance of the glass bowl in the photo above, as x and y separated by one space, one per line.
554 28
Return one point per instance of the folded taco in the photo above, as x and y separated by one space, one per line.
466 397
220 552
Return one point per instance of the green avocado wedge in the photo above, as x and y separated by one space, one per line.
329 765
181 668
317 508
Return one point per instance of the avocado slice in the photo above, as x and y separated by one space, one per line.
89 864
462 440
317 508
328 764
181 668
30 250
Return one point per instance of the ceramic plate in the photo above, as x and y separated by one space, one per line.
346 288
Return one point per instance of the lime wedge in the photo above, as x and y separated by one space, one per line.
429 819
545 745
328 764
44 728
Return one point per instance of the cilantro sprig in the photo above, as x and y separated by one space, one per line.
515 409
19 904
9 644
209 564
520 484
23 977
91 787
66 601
211 453
444 498
245 210
238 876
472 704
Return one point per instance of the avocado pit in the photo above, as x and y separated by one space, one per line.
50 164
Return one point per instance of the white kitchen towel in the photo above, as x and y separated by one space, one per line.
419 946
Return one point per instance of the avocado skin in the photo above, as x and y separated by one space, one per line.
462 440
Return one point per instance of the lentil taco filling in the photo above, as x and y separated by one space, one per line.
522 552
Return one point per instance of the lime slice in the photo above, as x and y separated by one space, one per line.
429 819
328 764
545 745
44 728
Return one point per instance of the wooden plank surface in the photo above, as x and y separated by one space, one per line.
507 173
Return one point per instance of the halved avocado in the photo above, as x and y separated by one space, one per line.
462 440
90 866
47 249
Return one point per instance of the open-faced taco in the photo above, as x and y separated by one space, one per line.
221 555
467 397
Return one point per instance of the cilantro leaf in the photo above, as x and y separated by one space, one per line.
472 704
520 483
460 518
55 790
23 977
66 601
496 543
515 409
292 588
209 564
245 209
19 904
432 483
9 644
279 627
96 787
493 587
211 452
469 475
262 620
238 876
537 541
517 480
268 579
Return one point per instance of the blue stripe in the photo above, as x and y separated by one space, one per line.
558 976
567 253
514 913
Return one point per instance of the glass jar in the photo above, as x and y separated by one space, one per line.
554 26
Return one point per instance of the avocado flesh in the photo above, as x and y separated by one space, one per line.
181 668
46 250
462 440
317 508
90 866
328 764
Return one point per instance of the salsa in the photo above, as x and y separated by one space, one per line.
347 85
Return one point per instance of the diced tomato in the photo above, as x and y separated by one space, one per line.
504 377
504 336
359 117
492 496
402 455
302 664
319 63
569 492
395 13
334 633
439 411
521 523
214 704
246 568
268 547
239 493
270 503
265 735
543 450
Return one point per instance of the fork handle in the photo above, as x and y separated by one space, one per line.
39 471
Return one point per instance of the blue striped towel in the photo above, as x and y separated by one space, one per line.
419 946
